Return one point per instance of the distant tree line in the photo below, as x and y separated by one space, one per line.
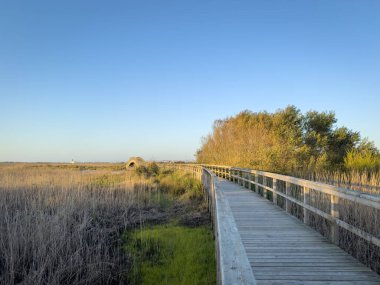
287 141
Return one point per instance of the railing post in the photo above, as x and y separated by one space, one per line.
274 189
306 200
335 214
256 182
249 177
265 191
288 204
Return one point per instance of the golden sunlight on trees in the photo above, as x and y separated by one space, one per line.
286 141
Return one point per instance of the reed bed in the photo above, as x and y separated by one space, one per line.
60 225
364 181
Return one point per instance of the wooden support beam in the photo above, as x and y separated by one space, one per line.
288 204
274 189
306 200
256 183
265 191
335 214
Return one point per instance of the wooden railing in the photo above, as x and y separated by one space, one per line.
314 203
267 184
232 263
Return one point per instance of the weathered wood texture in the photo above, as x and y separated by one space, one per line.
336 193
283 250
233 266
280 248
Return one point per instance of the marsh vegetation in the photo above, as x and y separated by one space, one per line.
67 224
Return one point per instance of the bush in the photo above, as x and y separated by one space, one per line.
148 171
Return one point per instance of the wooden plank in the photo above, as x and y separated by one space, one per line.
234 264
370 238
280 248
257 265
315 274
318 269
357 278
283 250
298 282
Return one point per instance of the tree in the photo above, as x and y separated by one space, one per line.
285 141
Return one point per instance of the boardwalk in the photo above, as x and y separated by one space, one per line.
281 249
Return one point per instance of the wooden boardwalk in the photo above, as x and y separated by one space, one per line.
283 250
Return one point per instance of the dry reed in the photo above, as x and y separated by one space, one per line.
62 226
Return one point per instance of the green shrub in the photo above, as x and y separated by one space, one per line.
150 170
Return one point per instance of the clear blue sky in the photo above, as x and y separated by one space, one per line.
105 80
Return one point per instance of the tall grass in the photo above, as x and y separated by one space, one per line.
363 181
60 226
64 225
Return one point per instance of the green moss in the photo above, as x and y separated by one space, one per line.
171 254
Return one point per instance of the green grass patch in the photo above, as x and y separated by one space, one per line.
171 254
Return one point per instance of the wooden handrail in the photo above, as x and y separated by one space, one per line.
352 195
291 191
369 200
